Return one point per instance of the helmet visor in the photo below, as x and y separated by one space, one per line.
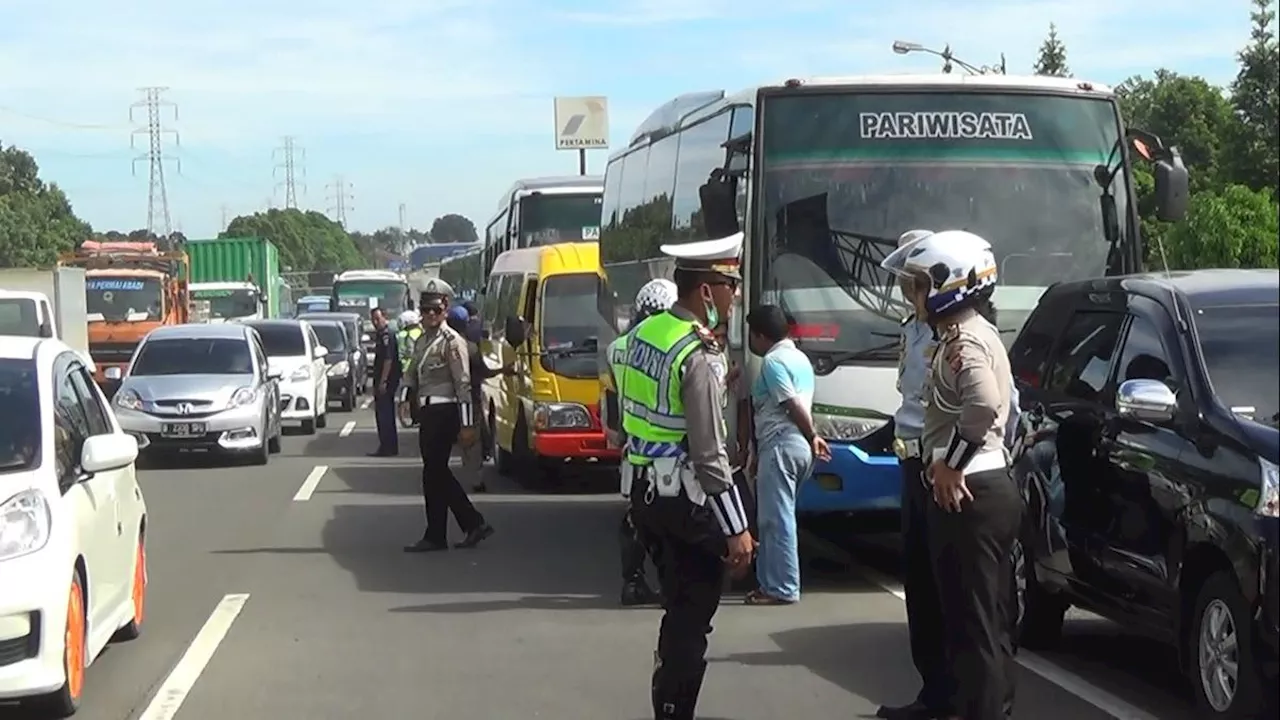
896 261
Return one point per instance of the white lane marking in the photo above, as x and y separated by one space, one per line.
1047 669
346 429
309 485
367 402
175 688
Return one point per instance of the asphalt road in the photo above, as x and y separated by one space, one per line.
274 598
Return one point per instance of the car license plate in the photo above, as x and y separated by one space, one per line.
182 430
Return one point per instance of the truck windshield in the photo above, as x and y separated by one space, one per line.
551 219
20 422
845 174
193 356
354 296
569 324
228 304
123 298
1240 344
18 317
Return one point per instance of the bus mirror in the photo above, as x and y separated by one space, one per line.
513 328
1172 187
719 206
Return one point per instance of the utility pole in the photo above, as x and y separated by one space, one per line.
157 196
226 216
403 241
292 156
402 217
339 205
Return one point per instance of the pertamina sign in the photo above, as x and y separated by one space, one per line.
582 123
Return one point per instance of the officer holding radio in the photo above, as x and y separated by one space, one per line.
683 494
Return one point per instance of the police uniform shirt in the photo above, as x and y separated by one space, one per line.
918 346
385 349
703 392
967 396
440 369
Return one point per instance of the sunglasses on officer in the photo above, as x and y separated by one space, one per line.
433 310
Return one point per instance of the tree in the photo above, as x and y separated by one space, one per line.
36 220
308 241
1236 227
1255 145
453 228
1185 111
1053 56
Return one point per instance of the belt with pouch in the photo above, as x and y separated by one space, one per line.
907 448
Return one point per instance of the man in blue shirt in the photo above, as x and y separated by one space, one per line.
786 445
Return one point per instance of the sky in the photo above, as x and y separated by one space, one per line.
442 104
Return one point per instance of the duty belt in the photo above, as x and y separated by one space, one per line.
907 448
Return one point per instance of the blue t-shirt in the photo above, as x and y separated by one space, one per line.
786 374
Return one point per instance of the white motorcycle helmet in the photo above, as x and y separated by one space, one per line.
408 318
656 296
954 264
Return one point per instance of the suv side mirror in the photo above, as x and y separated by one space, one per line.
514 329
1146 400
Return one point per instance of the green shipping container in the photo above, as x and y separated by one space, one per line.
235 260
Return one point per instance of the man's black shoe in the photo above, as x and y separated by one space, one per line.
474 537
915 711
639 593
423 546
381 453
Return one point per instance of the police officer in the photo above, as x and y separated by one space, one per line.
406 337
976 510
924 608
386 378
656 296
440 382
683 494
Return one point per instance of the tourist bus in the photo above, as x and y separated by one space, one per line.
544 211
823 175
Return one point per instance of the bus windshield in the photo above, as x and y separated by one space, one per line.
124 298
550 219
227 304
354 296
845 174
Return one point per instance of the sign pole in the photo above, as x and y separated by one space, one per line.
582 161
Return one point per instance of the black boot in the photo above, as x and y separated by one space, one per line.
637 592
676 698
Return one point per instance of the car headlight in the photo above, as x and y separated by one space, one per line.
128 399
302 373
24 524
845 428
339 368
560 416
1269 492
243 396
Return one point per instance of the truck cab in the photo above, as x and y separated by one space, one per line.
231 300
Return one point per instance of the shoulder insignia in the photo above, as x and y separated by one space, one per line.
708 338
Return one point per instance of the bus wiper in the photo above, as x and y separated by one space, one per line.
832 359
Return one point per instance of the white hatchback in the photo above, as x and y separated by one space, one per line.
295 353
73 563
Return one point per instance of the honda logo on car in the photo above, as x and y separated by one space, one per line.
944 125
184 408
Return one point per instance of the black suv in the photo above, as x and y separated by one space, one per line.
1147 455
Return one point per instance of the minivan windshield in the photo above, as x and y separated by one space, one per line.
569 324
1240 344
20 422
193 356
281 339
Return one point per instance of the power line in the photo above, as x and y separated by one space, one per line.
339 206
291 153
157 196
60 123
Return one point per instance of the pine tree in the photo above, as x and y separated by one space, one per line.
1053 56
1256 97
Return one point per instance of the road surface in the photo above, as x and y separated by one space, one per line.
282 592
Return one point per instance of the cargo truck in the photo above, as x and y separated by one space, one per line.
131 288
46 303
239 277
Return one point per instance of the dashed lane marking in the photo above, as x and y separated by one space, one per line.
346 429
175 688
309 485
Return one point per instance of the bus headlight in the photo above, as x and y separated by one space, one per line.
560 416
846 428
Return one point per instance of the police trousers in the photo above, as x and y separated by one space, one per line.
972 553
690 550
924 605
441 493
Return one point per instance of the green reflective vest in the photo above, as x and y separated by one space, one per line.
649 386
405 340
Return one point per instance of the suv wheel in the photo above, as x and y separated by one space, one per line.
1226 675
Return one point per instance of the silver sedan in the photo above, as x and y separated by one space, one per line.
201 387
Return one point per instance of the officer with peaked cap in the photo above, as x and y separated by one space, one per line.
439 379
683 495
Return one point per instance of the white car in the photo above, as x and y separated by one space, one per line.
296 355
73 561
